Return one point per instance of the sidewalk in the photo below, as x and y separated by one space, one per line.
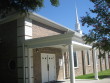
105 80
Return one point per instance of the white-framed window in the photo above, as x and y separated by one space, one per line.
88 57
75 59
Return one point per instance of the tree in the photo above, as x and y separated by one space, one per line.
99 35
22 6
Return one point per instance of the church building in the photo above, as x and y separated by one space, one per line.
34 49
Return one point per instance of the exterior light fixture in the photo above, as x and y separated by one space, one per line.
37 50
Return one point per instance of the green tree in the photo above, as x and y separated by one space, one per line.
22 6
99 35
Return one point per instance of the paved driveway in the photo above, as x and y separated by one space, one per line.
106 80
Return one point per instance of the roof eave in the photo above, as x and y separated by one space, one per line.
46 21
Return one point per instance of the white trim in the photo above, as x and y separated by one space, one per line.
35 17
24 63
46 21
62 39
30 65
63 54
72 71
50 40
38 18
80 44
28 28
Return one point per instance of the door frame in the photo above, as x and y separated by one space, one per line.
54 64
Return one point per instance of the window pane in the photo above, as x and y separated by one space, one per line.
88 58
75 60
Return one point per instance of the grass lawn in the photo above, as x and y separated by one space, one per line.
102 74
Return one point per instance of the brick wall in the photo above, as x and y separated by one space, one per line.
66 57
8 52
79 69
98 62
89 68
109 62
41 30
103 64
37 62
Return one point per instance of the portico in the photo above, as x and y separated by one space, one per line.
67 42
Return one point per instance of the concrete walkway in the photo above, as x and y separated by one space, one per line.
106 80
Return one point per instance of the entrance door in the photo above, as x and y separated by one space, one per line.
48 67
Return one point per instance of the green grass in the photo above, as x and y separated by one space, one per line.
102 74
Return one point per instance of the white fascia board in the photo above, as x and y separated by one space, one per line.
50 40
51 43
38 18
80 44
48 22
11 18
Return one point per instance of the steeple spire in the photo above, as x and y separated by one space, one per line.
77 24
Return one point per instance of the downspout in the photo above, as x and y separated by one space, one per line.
24 61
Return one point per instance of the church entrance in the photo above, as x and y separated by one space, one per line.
48 67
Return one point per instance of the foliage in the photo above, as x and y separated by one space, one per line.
23 6
101 75
99 35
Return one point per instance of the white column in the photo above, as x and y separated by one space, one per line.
30 65
71 58
63 64
24 62
95 64
106 57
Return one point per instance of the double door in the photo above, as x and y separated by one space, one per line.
48 67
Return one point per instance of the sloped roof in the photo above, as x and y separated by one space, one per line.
40 19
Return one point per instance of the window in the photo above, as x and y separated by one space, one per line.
88 57
103 60
75 60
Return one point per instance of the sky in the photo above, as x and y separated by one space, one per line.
64 14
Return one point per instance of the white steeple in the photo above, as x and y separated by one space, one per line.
77 24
